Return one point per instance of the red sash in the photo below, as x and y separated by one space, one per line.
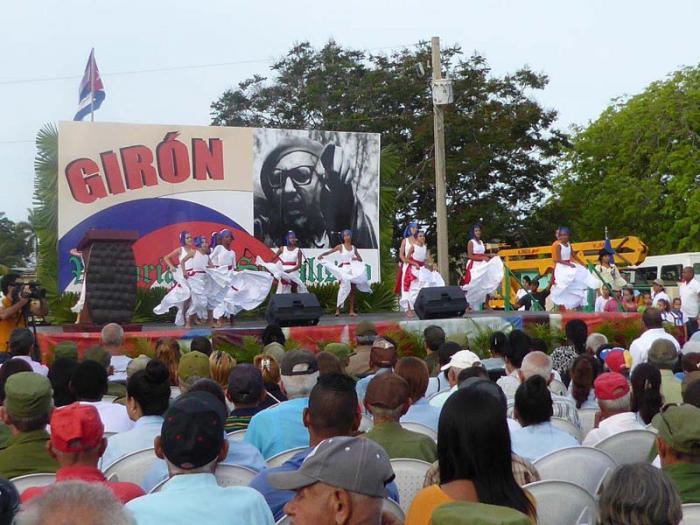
408 278
399 274
468 273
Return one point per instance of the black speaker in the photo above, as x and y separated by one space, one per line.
294 309
440 302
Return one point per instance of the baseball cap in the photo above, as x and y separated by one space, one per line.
387 390
193 364
658 281
27 395
679 426
245 383
365 328
298 362
610 386
355 464
274 349
340 350
616 360
462 359
193 430
477 514
76 428
662 353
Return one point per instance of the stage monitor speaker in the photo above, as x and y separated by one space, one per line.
440 302
294 309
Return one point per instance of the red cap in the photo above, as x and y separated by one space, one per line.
615 361
75 428
610 386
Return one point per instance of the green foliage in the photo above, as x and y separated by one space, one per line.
409 343
501 144
389 165
621 331
59 312
16 242
480 338
146 300
553 338
636 168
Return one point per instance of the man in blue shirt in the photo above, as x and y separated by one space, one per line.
281 427
333 411
192 443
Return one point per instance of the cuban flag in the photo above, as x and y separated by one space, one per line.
92 91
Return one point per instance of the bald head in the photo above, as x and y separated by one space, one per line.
536 364
112 336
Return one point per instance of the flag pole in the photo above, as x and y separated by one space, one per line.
92 85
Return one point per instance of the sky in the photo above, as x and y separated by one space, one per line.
592 51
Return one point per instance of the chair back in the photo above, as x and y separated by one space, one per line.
131 468
587 467
691 514
421 429
389 506
410 475
226 476
285 455
630 446
562 502
109 399
587 418
567 426
22 483
236 435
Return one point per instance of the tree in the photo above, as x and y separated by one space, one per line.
16 242
636 169
501 146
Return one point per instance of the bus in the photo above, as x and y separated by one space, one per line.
665 267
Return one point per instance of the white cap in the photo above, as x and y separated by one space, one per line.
462 359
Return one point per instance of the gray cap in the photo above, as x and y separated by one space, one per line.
355 464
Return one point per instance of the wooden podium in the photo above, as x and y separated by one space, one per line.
110 276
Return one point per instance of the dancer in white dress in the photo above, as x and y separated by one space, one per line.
201 285
571 278
350 272
179 295
420 273
233 290
77 308
409 236
484 271
285 266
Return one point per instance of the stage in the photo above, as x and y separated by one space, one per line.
333 329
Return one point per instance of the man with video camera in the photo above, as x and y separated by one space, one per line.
13 307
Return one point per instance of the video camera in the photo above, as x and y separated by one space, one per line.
31 290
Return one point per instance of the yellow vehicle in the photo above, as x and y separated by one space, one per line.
538 261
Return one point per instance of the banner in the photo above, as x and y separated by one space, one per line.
160 180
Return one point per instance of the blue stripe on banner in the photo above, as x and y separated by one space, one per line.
84 111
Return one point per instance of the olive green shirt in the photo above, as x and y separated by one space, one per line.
401 443
686 476
5 435
670 387
27 454
358 363
118 390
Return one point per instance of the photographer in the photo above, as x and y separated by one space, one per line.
11 308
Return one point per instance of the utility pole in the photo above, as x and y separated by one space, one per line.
443 255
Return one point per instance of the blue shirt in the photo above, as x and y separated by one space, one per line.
139 437
196 498
277 499
361 385
534 441
279 428
239 453
424 413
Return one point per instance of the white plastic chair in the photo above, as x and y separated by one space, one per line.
226 476
278 459
389 506
410 475
587 418
562 503
236 435
691 514
587 467
22 483
421 429
566 426
630 446
132 467
109 399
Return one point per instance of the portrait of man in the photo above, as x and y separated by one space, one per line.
317 186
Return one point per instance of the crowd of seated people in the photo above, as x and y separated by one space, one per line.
319 432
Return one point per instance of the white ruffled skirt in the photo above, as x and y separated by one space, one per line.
486 277
571 285
347 275
423 278
235 290
175 298
284 279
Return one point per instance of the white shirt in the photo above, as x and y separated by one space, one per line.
437 384
37 367
139 437
600 303
611 426
639 349
690 298
661 295
113 416
442 397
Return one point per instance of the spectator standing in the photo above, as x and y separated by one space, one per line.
533 410
646 400
689 291
281 427
460 361
112 340
415 372
677 313
388 400
382 359
89 385
77 443
246 391
658 292
192 443
678 443
433 337
653 330
629 301
11 315
564 356
27 410
21 345
663 355
272 379
148 397
613 393
365 334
